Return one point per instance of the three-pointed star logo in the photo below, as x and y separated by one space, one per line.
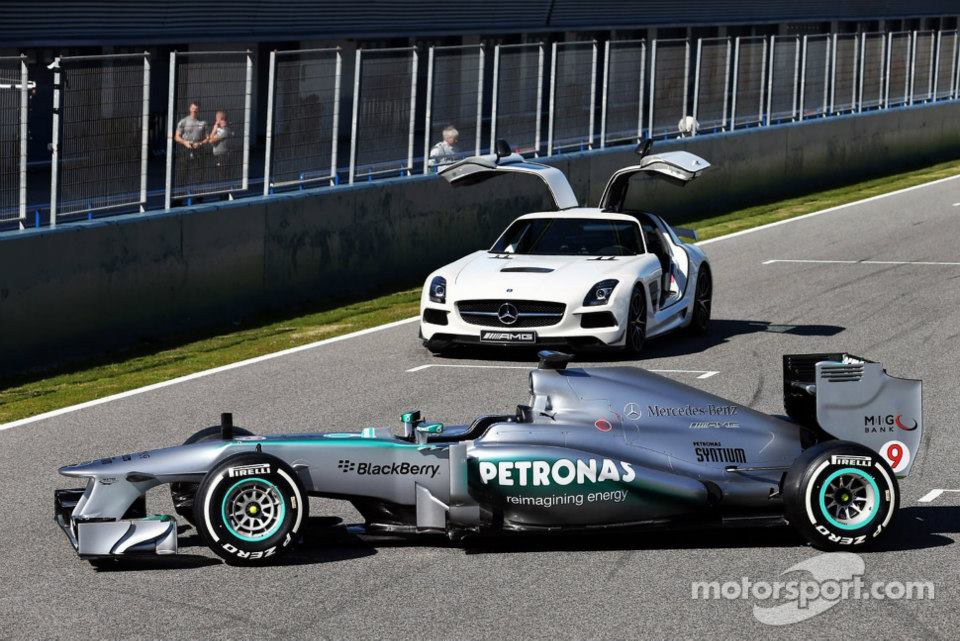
507 314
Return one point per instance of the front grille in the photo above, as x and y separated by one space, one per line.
530 313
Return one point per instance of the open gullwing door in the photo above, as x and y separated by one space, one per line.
678 167
477 169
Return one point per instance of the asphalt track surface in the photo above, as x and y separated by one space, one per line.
625 586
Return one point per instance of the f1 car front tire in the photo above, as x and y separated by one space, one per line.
840 495
250 508
182 493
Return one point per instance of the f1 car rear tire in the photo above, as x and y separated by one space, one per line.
636 335
250 508
840 496
702 299
182 493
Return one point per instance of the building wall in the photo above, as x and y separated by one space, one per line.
61 22
80 289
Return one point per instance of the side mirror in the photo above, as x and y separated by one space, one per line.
643 147
502 149
424 430
685 232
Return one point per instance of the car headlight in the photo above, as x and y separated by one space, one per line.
438 290
600 293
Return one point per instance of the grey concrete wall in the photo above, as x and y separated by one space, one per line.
76 290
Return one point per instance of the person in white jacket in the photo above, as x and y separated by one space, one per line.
445 151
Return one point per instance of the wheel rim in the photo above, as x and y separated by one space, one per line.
703 298
849 499
253 509
638 321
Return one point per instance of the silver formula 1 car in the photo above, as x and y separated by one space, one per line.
597 448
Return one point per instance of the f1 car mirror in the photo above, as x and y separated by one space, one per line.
410 421
424 430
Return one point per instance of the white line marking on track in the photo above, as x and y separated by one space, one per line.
930 496
140 390
956 204
206 372
826 211
703 373
860 262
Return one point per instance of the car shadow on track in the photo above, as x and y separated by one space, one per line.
328 540
919 527
675 344
684 539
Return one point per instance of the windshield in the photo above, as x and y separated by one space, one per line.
570 237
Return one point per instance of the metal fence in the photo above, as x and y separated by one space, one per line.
621 111
208 124
945 78
784 74
899 50
749 81
14 107
462 98
384 108
711 78
921 77
454 109
99 151
815 76
873 54
572 101
669 78
845 61
303 113
517 96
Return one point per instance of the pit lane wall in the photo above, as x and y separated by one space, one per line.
79 289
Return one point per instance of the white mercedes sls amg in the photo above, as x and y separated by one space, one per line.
610 275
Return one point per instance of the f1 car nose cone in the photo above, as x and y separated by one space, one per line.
507 314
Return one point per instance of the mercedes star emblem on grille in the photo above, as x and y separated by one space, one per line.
507 314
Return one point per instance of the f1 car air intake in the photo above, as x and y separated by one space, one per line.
643 451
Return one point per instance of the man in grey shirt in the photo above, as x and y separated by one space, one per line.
191 134
191 131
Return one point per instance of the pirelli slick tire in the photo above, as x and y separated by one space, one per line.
182 493
250 508
841 496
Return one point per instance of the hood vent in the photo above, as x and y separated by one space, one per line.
527 270
603 258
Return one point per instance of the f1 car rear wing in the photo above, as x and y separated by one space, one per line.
476 169
854 399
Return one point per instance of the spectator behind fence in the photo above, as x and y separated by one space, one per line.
191 134
219 140
445 151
